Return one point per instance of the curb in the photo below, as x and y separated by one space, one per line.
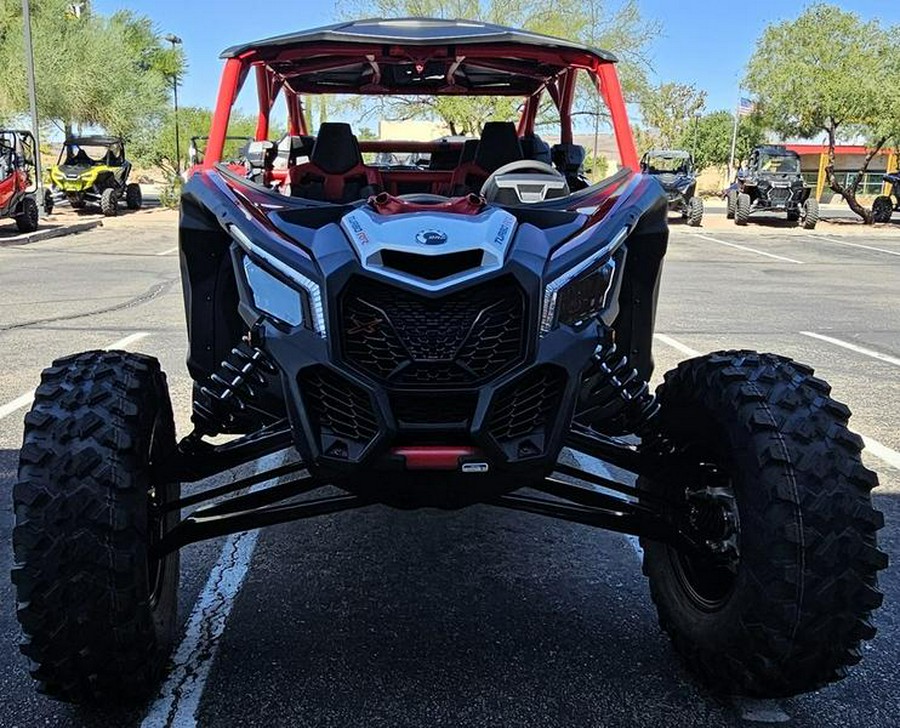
59 232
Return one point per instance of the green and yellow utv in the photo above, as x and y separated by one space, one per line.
93 170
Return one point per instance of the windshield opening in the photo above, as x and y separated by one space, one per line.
779 164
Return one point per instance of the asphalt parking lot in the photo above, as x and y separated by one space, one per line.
472 618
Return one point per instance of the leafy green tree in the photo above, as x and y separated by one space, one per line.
709 139
829 71
91 69
620 28
669 112
154 144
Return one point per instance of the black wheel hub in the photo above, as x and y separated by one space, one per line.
708 574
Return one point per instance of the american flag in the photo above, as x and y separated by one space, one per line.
746 106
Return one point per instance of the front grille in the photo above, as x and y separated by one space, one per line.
336 407
527 406
779 195
435 409
410 340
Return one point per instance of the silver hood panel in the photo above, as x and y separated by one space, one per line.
430 234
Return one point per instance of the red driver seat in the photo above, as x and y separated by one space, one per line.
335 171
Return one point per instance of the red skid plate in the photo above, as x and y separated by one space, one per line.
433 457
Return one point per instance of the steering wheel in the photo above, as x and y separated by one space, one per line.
523 165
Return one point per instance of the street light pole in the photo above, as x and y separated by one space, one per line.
32 99
175 40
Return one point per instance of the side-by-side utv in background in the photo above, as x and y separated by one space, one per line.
93 170
674 170
772 182
18 179
884 206
433 338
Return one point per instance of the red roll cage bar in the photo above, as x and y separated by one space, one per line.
294 69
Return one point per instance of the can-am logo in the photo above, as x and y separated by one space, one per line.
431 237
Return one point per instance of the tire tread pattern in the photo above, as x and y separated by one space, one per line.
816 585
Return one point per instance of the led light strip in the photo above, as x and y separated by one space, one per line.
548 311
311 287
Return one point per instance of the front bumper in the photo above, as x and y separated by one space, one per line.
465 368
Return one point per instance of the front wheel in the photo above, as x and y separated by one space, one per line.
730 204
882 208
109 202
809 214
27 217
694 212
763 457
96 606
742 209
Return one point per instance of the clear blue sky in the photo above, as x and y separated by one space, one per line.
705 43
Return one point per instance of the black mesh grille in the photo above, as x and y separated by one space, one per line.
779 195
337 407
455 409
406 339
527 405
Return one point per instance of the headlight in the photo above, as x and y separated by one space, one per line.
581 292
272 296
267 291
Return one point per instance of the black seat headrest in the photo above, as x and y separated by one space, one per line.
470 146
336 150
533 147
498 145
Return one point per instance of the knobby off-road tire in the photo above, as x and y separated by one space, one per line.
133 197
97 612
730 204
882 208
694 212
742 209
109 202
809 214
792 617
27 218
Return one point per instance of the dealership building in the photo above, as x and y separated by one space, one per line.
848 158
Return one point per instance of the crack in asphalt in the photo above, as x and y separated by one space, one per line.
209 617
155 291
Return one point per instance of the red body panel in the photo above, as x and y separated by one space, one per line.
10 188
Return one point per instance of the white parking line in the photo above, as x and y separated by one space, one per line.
875 448
26 399
882 452
170 250
829 239
688 351
748 249
853 347
179 698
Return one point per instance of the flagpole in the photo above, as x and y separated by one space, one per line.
734 132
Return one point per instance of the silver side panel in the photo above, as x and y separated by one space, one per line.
430 234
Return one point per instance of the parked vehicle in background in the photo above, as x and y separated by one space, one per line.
93 170
674 170
884 206
433 338
772 182
18 179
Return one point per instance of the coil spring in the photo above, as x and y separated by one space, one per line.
231 387
616 398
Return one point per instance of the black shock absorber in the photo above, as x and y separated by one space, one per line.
614 398
230 390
